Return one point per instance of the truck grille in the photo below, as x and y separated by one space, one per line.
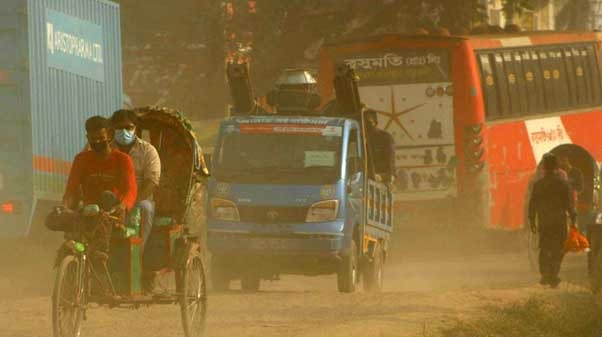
261 214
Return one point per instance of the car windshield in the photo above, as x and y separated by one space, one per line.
280 155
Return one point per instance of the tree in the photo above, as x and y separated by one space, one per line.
281 31
513 8
575 15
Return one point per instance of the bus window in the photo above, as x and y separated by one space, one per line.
538 81
559 79
585 74
502 85
547 67
521 83
489 87
594 75
510 75
579 69
569 66
529 79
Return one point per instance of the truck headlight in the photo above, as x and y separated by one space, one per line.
226 210
323 211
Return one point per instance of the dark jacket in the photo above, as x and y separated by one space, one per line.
575 179
550 203
382 149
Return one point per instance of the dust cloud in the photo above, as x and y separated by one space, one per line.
434 276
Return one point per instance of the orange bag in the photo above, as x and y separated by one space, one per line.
576 242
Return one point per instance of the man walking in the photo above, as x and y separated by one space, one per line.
549 205
574 176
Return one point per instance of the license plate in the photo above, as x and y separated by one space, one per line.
269 244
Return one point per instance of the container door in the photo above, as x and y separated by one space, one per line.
15 132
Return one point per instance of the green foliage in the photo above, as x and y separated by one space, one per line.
513 8
575 315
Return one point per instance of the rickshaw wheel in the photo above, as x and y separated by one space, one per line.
193 301
68 299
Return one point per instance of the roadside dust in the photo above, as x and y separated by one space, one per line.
433 278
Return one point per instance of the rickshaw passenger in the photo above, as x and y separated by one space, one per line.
102 174
147 165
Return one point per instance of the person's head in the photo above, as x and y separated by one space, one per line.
124 122
512 28
564 162
371 117
549 163
99 133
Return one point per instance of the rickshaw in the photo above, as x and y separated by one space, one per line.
174 251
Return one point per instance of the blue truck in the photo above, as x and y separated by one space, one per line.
60 63
291 193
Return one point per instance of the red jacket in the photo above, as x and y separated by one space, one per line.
91 174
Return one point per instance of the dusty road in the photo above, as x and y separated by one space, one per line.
421 295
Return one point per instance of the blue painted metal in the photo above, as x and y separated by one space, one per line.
74 45
49 85
259 237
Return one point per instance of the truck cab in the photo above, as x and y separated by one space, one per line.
291 192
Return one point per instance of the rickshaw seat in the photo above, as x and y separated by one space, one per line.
132 226
176 164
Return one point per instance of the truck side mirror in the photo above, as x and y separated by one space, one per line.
207 157
355 178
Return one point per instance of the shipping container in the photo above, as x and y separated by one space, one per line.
60 63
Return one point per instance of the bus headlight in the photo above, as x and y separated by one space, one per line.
225 210
323 211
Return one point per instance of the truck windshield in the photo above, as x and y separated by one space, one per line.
279 158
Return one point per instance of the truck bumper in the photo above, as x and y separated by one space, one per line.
293 254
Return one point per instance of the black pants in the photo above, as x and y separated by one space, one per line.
551 253
594 236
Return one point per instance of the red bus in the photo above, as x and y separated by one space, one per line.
472 115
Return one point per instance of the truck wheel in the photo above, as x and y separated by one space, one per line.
250 282
347 277
373 276
220 279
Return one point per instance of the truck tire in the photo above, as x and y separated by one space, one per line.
347 276
373 276
250 282
220 279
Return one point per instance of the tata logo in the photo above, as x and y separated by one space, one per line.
222 189
272 215
327 191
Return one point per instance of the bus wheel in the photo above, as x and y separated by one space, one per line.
533 250
347 276
596 275
373 276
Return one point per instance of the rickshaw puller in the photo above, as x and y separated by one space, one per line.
105 177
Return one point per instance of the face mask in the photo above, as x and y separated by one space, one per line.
125 137
100 146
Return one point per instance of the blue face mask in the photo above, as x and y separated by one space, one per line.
125 137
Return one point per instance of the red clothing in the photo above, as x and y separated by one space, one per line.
91 174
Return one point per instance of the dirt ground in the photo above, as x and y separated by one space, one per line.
424 291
